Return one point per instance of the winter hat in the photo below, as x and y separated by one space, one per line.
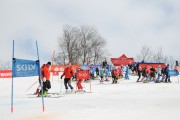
49 63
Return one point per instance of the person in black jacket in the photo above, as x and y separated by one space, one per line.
139 73
104 64
144 74
167 69
152 73
163 74
97 71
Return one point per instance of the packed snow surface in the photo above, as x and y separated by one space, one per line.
127 100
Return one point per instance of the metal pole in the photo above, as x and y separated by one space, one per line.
40 79
12 91
61 85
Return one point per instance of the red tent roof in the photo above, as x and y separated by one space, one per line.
122 60
123 56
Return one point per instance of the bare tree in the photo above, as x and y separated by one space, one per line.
171 62
68 44
5 66
178 60
87 41
158 56
145 54
165 59
61 58
80 45
98 50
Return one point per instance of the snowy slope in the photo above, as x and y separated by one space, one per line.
127 100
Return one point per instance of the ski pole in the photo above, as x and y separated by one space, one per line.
31 86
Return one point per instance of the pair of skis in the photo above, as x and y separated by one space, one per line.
50 95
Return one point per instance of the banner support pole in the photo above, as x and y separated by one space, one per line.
12 87
43 108
61 84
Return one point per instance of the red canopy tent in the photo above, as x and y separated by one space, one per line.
122 60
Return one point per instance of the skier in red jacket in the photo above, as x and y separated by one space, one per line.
68 73
45 72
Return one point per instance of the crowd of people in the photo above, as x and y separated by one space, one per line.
104 73
161 74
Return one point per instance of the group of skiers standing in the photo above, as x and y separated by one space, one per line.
151 74
45 77
145 74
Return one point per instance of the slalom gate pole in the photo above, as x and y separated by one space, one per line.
31 86
60 84
12 91
90 86
76 84
43 108
52 77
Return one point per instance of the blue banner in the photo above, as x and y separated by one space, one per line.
25 68
173 73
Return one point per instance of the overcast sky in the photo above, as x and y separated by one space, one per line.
127 25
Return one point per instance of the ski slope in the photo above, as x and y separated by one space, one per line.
127 100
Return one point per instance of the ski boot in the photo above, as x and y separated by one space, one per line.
37 92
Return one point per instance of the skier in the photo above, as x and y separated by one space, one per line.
92 73
114 76
104 64
79 82
106 74
39 79
97 71
152 73
159 74
101 73
167 69
148 73
46 78
127 73
144 75
139 72
68 73
163 74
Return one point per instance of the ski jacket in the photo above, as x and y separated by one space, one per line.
127 70
159 70
115 73
144 72
101 73
148 70
167 71
92 71
42 70
139 70
46 72
107 73
68 72
97 69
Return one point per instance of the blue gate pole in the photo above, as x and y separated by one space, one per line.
43 108
12 91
